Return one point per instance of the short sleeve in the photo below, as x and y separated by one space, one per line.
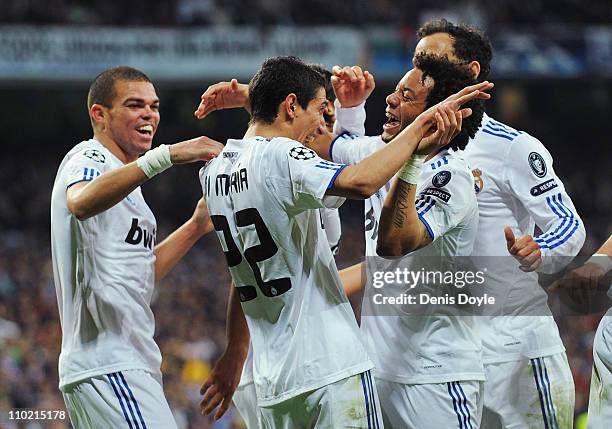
307 175
84 166
350 149
446 201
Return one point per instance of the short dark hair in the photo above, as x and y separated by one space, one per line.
277 78
469 43
329 89
449 78
102 89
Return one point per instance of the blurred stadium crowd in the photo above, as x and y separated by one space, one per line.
497 14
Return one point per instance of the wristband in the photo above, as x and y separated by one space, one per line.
601 259
155 161
411 170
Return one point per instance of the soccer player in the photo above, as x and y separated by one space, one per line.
225 370
422 360
106 260
310 367
587 278
528 378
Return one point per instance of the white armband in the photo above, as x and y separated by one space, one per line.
155 161
411 170
601 259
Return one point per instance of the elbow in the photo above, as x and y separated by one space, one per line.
387 247
78 210
364 190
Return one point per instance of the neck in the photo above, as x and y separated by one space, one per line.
114 148
270 131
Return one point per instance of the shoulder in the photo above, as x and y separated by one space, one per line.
492 130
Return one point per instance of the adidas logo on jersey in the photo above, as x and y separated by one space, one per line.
137 235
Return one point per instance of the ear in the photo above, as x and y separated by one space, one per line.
97 113
475 68
330 109
290 106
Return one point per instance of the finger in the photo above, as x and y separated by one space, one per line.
349 73
521 243
227 400
370 84
510 239
465 113
206 385
213 403
464 99
336 70
358 72
528 249
459 119
234 84
209 393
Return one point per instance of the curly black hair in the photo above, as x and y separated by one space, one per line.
469 43
449 78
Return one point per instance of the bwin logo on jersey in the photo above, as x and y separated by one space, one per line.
537 164
137 235
302 153
441 179
95 154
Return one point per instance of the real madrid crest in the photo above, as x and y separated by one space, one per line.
478 182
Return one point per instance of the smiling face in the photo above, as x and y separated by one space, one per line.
307 121
404 104
132 119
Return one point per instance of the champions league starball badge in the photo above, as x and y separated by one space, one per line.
95 155
302 153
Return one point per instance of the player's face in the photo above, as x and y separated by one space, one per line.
307 121
134 116
324 134
437 44
404 104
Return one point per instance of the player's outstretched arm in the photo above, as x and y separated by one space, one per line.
588 276
401 229
87 199
170 251
353 279
222 382
223 95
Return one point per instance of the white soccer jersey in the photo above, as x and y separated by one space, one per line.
330 222
104 271
516 186
260 195
433 348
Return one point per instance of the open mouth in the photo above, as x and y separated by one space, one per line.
145 130
392 121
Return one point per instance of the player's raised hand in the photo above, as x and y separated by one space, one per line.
201 218
219 387
524 249
352 86
585 278
223 95
198 149
444 127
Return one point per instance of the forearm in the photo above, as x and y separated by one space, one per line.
89 199
237 330
372 173
400 229
170 251
353 279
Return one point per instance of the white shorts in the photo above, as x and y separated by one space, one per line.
245 400
131 399
530 393
600 398
349 403
456 404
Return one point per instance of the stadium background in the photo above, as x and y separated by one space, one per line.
553 73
